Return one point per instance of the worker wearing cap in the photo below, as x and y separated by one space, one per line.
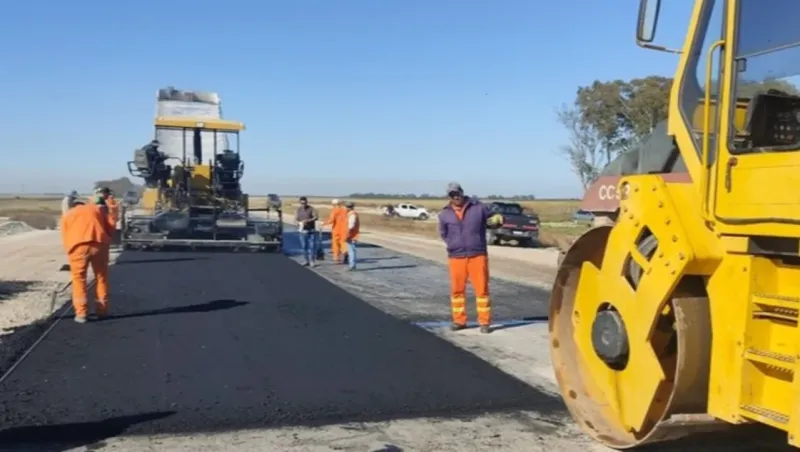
306 218
338 222
351 237
462 226
110 202
86 236
104 196
69 201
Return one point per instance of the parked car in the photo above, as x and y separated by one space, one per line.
274 201
130 197
517 225
583 217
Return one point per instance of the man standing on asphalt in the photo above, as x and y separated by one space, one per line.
353 225
462 226
86 235
306 218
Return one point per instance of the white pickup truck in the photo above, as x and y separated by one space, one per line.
411 211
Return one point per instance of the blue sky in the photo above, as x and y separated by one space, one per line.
338 95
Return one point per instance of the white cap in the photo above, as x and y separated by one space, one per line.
335 202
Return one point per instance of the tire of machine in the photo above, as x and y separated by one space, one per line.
681 411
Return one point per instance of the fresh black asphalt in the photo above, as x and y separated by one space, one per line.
203 342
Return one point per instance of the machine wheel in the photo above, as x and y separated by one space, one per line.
624 392
423 216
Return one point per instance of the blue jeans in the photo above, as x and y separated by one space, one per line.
308 242
351 254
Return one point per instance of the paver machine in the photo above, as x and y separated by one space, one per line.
191 203
682 316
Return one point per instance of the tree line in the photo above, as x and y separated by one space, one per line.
609 118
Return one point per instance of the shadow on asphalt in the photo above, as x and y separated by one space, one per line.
301 352
63 437
211 306
9 288
160 261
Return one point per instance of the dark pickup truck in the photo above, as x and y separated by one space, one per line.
517 225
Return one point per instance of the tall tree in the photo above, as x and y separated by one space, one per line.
607 118
583 152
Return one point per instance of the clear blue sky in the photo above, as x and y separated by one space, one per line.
338 95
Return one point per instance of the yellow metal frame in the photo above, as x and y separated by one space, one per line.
219 125
705 233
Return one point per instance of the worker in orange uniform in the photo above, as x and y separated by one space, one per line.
462 226
338 222
86 236
353 225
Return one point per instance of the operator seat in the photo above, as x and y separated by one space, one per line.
148 163
227 173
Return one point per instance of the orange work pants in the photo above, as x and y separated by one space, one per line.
476 270
82 257
337 240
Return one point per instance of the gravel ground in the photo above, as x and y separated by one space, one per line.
417 289
8 228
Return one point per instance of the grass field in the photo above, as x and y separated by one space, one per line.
40 213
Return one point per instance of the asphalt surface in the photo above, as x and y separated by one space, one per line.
202 342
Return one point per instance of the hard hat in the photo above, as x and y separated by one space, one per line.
335 202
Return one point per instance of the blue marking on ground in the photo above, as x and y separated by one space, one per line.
497 325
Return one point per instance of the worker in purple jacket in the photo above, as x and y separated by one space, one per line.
462 226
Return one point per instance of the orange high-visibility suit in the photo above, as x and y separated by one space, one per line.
338 221
113 215
468 260
86 236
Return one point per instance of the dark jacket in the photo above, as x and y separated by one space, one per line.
309 213
465 237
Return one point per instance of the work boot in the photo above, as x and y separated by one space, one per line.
313 264
80 319
457 327
306 264
486 329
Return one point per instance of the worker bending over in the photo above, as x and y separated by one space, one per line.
306 218
462 226
86 236
338 222
353 225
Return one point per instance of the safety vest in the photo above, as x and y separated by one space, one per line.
352 234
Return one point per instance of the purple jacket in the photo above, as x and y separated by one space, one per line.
465 237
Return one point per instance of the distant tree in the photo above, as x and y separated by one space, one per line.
119 186
609 118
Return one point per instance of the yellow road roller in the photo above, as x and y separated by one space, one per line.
683 315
